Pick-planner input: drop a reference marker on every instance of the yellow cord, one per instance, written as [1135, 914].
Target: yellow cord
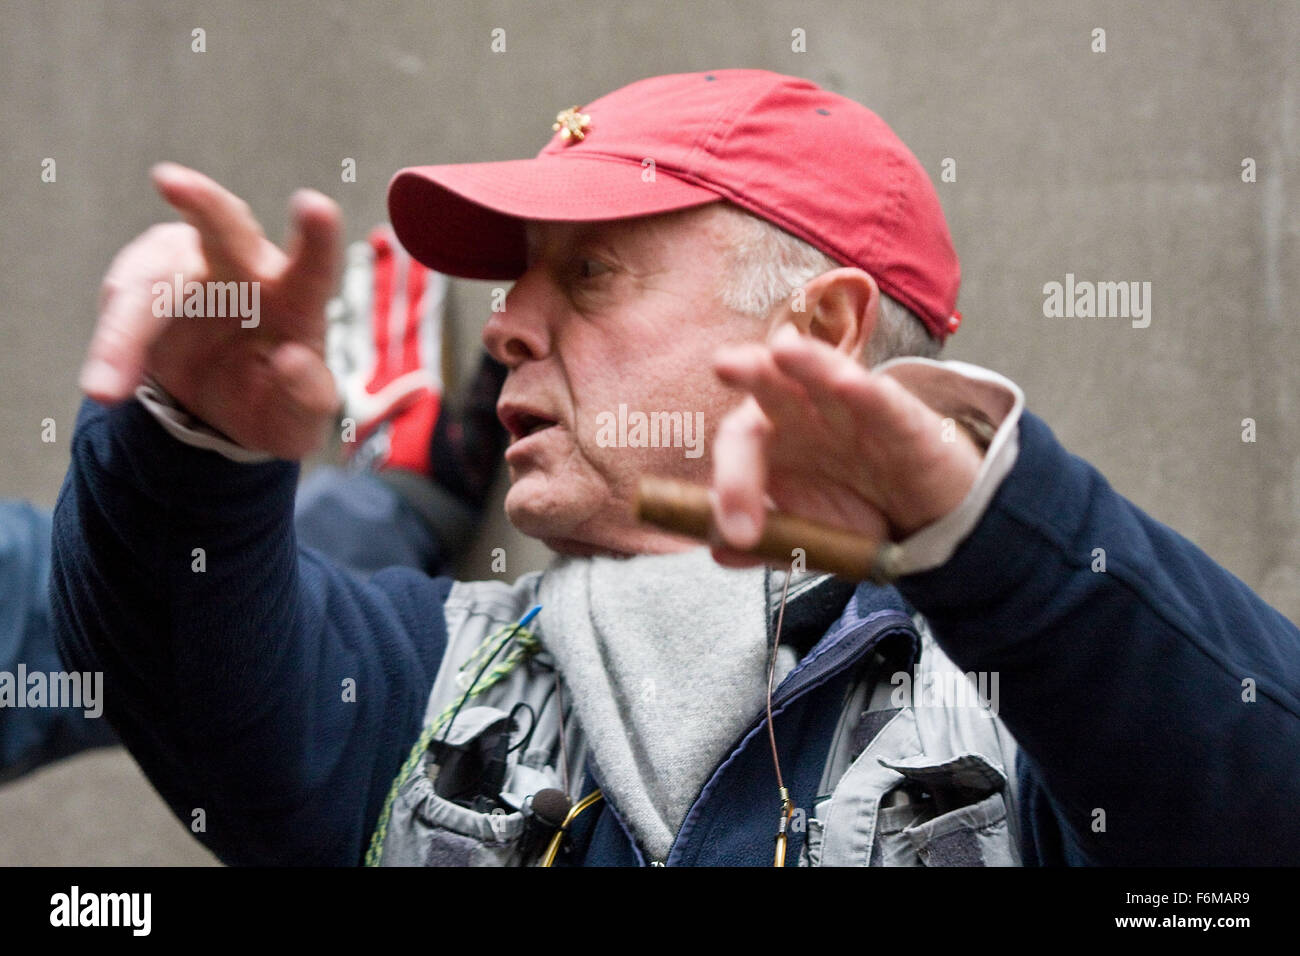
[553, 848]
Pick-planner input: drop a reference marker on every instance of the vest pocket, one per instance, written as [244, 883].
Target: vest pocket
[429, 829]
[973, 835]
[892, 845]
[453, 835]
[959, 820]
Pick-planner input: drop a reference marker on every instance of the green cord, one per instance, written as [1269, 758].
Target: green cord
[527, 644]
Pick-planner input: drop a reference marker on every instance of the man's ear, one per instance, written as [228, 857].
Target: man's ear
[840, 307]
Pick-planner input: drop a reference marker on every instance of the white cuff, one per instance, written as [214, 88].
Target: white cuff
[959, 388]
[189, 430]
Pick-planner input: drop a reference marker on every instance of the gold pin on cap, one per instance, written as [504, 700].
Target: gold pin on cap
[571, 124]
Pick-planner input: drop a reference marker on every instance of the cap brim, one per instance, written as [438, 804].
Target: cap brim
[467, 219]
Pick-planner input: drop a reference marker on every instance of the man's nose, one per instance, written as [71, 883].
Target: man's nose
[521, 331]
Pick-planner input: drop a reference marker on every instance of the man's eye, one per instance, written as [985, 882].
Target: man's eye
[590, 268]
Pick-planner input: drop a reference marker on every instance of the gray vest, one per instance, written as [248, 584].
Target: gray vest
[920, 772]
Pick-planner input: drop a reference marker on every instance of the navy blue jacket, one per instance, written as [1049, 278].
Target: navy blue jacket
[1128, 690]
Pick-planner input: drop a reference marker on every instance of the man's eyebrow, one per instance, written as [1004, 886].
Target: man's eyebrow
[576, 235]
[590, 239]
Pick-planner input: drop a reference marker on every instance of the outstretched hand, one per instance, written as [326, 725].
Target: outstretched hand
[822, 437]
[264, 383]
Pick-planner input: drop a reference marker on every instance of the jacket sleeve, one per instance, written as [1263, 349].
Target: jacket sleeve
[1156, 702]
[269, 695]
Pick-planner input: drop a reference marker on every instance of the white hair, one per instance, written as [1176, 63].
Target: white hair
[767, 265]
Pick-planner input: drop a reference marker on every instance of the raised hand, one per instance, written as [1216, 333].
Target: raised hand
[263, 382]
[829, 440]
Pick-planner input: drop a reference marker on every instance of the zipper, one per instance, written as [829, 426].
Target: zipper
[813, 671]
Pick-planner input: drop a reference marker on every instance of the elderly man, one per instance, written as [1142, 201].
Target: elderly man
[739, 244]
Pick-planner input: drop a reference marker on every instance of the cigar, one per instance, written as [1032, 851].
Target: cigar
[684, 509]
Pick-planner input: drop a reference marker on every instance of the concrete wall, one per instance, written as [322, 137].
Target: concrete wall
[1122, 165]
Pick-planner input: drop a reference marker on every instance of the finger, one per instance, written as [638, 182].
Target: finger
[751, 368]
[314, 250]
[833, 379]
[231, 235]
[820, 371]
[740, 475]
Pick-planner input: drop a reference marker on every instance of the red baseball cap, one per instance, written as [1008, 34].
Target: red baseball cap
[813, 162]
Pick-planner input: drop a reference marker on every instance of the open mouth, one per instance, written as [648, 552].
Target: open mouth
[532, 425]
[522, 422]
